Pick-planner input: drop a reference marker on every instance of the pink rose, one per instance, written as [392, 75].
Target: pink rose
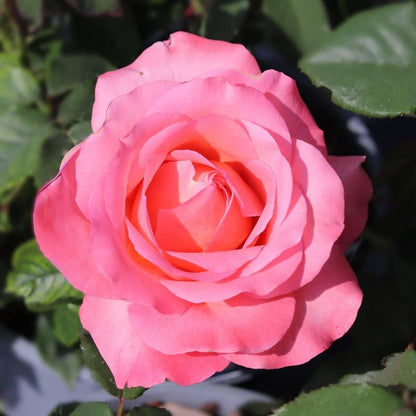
[203, 218]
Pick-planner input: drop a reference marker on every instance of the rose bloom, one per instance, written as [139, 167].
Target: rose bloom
[203, 218]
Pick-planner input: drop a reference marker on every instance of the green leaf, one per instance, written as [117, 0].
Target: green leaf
[257, 408]
[5, 224]
[68, 71]
[350, 400]
[34, 278]
[77, 105]
[80, 131]
[96, 7]
[4, 297]
[9, 60]
[118, 40]
[17, 85]
[53, 151]
[66, 324]
[358, 378]
[223, 19]
[148, 411]
[100, 371]
[22, 134]
[63, 409]
[67, 362]
[92, 409]
[300, 25]
[44, 49]
[31, 11]
[400, 369]
[369, 63]
[82, 409]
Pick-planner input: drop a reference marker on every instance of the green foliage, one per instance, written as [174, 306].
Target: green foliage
[66, 324]
[363, 394]
[92, 409]
[17, 85]
[96, 7]
[76, 106]
[116, 39]
[148, 411]
[31, 12]
[257, 409]
[100, 371]
[351, 400]
[35, 279]
[23, 132]
[299, 25]
[78, 132]
[400, 369]
[70, 71]
[52, 153]
[82, 409]
[67, 362]
[63, 409]
[368, 63]
[223, 18]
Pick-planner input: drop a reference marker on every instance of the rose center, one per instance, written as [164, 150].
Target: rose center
[191, 208]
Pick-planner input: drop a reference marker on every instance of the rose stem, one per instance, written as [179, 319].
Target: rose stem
[121, 404]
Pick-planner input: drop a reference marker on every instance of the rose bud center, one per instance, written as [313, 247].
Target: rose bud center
[192, 208]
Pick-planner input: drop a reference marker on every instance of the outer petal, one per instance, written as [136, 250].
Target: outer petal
[282, 92]
[60, 228]
[325, 309]
[123, 113]
[131, 361]
[324, 192]
[180, 58]
[240, 324]
[358, 192]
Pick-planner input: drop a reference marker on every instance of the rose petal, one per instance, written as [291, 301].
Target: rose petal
[239, 324]
[131, 361]
[135, 279]
[125, 110]
[324, 193]
[271, 155]
[247, 199]
[358, 192]
[220, 97]
[282, 92]
[261, 177]
[284, 237]
[262, 275]
[144, 250]
[60, 228]
[172, 185]
[325, 309]
[259, 285]
[181, 228]
[89, 167]
[219, 261]
[181, 58]
[222, 139]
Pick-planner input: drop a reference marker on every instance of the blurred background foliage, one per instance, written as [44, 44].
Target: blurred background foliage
[355, 64]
